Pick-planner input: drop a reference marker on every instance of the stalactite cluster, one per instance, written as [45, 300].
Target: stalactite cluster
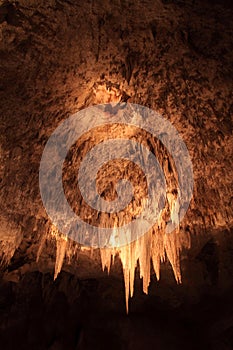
[156, 245]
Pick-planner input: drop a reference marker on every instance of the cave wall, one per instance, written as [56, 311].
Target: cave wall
[57, 57]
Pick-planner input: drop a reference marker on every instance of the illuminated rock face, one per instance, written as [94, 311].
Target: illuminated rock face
[59, 57]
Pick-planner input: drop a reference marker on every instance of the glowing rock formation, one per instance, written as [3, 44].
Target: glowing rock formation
[154, 246]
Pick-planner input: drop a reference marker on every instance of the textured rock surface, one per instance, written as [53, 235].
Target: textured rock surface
[57, 57]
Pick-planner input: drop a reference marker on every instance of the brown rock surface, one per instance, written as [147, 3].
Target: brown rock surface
[57, 57]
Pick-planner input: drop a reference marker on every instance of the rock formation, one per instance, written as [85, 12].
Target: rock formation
[59, 57]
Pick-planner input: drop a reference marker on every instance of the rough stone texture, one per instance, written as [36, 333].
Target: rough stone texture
[57, 57]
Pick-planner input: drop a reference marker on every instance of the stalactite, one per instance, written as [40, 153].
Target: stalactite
[63, 247]
[10, 238]
[106, 258]
[61, 242]
[153, 247]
